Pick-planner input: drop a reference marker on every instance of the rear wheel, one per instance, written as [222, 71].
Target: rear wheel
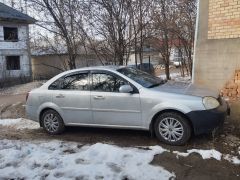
[172, 128]
[52, 122]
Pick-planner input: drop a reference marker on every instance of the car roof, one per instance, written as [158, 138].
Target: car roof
[96, 68]
[109, 68]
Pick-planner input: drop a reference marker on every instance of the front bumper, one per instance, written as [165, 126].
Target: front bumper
[206, 121]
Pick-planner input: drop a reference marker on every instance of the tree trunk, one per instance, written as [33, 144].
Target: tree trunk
[167, 70]
[71, 62]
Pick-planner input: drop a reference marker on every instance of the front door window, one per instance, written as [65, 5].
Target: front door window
[102, 82]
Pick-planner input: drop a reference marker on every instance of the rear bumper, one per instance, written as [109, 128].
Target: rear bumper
[208, 120]
[31, 113]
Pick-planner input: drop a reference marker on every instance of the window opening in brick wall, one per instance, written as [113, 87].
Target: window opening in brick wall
[13, 62]
[10, 33]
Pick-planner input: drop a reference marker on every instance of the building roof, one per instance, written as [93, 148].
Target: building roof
[9, 14]
[59, 49]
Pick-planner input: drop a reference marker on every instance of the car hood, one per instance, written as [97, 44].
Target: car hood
[186, 89]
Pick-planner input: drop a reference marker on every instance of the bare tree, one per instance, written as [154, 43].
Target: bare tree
[109, 21]
[113, 29]
[185, 31]
[141, 20]
[60, 18]
[164, 17]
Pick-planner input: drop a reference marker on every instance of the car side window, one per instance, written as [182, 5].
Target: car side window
[103, 82]
[72, 82]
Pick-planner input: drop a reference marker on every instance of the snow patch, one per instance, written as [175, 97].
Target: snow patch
[206, 154]
[65, 160]
[232, 159]
[172, 75]
[177, 77]
[19, 123]
[9, 122]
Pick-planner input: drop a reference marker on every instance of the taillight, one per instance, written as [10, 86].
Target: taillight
[27, 96]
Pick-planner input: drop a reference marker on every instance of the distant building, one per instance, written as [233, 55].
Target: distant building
[48, 62]
[149, 55]
[151, 52]
[45, 66]
[14, 43]
[217, 52]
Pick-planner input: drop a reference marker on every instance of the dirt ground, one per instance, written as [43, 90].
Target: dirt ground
[191, 167]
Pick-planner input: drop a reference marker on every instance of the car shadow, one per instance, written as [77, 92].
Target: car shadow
[125, 138]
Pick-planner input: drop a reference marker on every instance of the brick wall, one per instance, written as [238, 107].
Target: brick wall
[217, 58]
[19, 48]
[224, 19]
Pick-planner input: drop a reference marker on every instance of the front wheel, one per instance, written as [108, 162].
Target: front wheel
[52, 122]
[172, 128]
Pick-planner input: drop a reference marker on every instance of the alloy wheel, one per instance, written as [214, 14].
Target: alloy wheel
[51, 122]
[171, 129]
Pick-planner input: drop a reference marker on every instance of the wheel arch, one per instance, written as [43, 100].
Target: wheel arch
[154, 118]
[44, 110]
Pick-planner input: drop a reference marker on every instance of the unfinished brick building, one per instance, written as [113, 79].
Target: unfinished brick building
[14, 45]
[217, 53]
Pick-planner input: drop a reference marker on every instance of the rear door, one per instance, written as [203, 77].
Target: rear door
[109, 106]
[71, 93]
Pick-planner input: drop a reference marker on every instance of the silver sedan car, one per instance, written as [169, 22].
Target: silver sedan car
[123, 97]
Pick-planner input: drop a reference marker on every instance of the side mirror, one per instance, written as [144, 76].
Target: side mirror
[125, 89]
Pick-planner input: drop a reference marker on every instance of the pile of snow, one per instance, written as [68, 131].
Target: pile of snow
[65, 160]
[208, 154]
[21, 88]
[19, 123]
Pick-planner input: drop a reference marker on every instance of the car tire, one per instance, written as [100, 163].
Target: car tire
[52, 122]
[172, 128]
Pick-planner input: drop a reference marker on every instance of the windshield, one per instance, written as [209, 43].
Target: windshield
[141, 77]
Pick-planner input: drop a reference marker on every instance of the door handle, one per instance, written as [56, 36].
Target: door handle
[99, 97]
[60, 96]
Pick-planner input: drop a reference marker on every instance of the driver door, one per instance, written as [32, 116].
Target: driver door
[109, 106]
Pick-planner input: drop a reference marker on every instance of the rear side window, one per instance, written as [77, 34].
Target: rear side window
[73, 82]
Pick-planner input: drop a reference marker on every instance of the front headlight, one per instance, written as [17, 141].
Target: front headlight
[210, 102]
